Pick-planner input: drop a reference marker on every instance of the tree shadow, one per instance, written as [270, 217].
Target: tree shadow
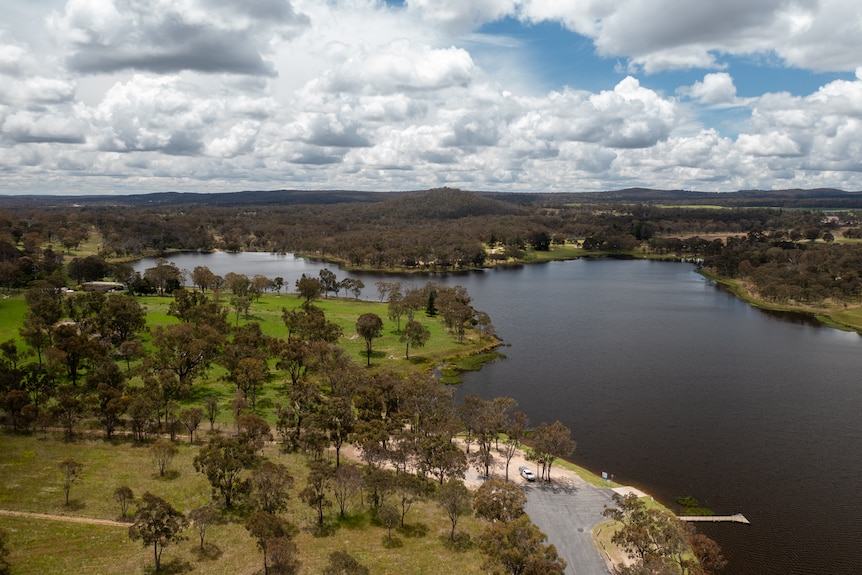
[210, 552]
[264, 404]
[354, 521]
[236, 513]
[75, 505]
[170, 475]
[392, 542]
[414, 530]
[378, 355]
[173, 566]
[120, 440]
[325, 530]
[461, 544]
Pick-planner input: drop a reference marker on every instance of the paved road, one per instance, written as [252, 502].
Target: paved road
[566, 511]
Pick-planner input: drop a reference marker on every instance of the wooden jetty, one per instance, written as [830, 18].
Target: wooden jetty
[737, 518]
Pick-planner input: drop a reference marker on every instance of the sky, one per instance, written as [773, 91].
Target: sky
[138, 96]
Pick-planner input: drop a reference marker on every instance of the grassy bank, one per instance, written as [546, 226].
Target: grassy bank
[839, 317]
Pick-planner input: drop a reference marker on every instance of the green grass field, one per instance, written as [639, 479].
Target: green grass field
[387, 351]
[29, 481]
[12, 310]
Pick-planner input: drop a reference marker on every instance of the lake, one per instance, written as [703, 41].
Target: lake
[672, 385]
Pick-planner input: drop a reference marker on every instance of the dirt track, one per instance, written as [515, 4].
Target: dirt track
[67, 518]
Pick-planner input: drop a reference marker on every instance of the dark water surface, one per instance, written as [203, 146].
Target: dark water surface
[674, 386]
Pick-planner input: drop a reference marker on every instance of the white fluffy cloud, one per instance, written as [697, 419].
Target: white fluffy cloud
[166, 36]
[400, 67]
[714, 89]
[134, 95]
[665, 34]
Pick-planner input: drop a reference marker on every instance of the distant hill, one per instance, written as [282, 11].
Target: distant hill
[824, 198]
[449, 203]
[225, 199]
[446, 203]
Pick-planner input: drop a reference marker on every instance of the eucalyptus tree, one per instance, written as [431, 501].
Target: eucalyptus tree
[315, 492]
[552, 442]
[165, 276]
[415, 334]
[308, 288]
[369, 326]
[328, 282]
[157, 523]
[456, 501]
[270, 485]
[271, 532]
[353, 285]
[518, 547]
[185, 349]
[203, 278]
[224, 461]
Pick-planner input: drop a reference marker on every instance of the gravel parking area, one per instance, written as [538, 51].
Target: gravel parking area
[566, 510]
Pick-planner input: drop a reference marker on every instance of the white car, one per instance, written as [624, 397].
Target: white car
[527, 474]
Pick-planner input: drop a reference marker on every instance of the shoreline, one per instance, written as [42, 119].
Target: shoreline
[824, 316]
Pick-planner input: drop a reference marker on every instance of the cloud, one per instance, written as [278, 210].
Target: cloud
[714, 89]
[33, 128]
[657, 35]
[771, 144]
[166, 115]
[11, 57]
[329, 131]
[460, 16]
[137, 95]
[208, 36]
[629, 116]
[398, 67]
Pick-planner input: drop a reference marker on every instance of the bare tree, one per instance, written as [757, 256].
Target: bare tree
[71, 471]
[346, 483]
[203, 518]
[124, 496]
[191, 419]
[163, 452]
[270, 483]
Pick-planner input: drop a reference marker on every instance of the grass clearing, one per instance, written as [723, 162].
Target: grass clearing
[388, 351]
[30, 481]
[850, 318]
[12, 309]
